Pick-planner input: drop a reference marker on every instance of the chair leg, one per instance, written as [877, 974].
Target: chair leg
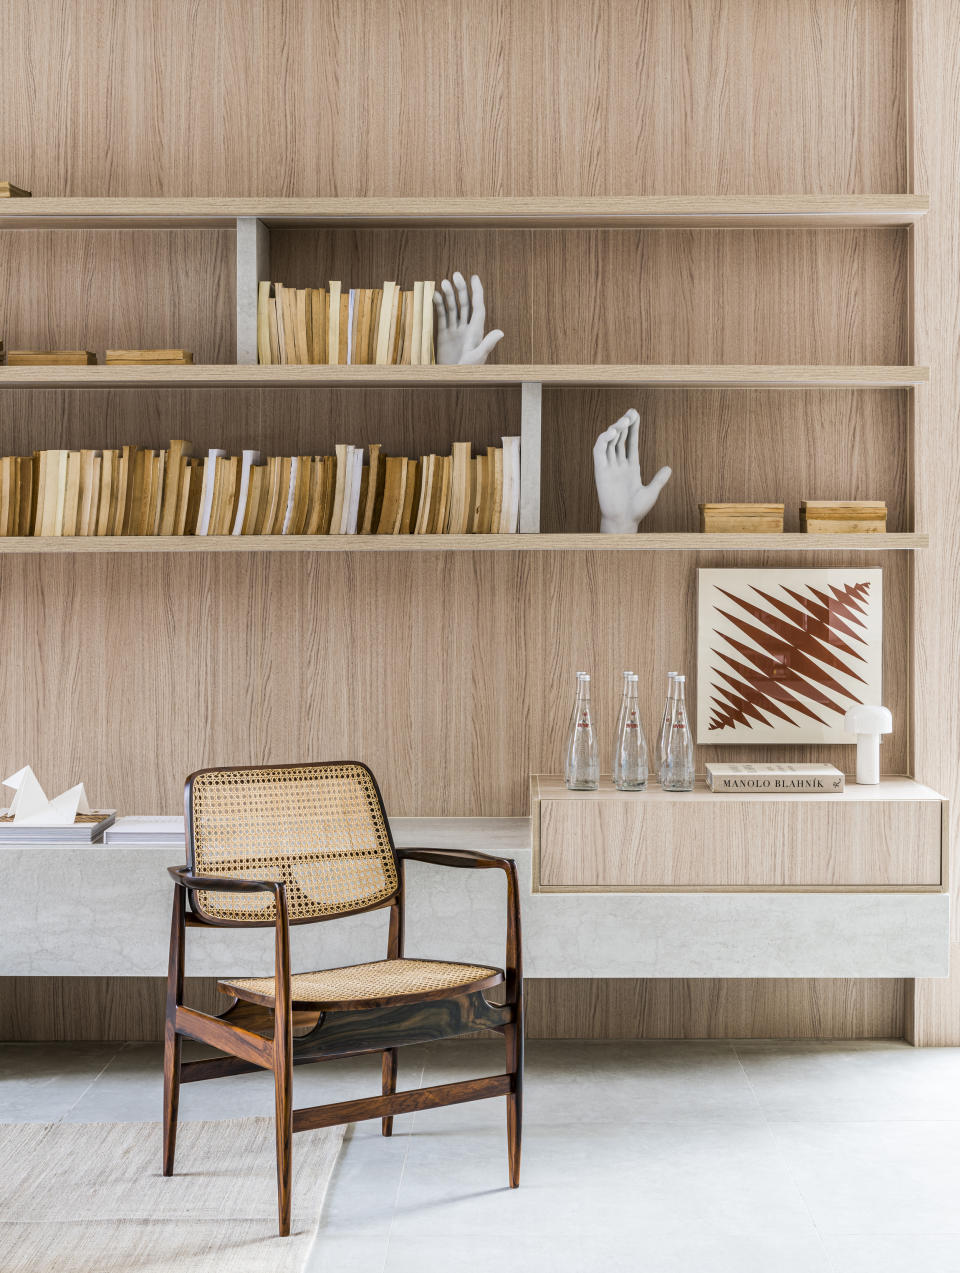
[513, 1037]
[171, 1094]
[389, 1086]
[283, 1092]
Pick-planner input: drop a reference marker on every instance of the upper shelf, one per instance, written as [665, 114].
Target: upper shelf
[686, 210]
[722, 376]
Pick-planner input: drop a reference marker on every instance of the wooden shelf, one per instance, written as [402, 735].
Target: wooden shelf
[688, 210]
[227, 375]
[461, 543]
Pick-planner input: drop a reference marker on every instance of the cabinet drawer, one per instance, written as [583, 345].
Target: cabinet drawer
[609, 840]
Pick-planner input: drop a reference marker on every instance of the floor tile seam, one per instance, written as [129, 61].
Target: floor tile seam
[96, 1079]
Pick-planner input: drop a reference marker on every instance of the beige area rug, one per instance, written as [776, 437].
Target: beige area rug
[89, 1198]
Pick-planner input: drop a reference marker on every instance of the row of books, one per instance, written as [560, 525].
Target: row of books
[86, 357]
[380, 325]
[137, 491]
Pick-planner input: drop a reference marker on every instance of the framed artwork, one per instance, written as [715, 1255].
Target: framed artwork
[783, 654]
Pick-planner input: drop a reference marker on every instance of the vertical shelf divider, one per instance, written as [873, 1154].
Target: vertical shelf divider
[531, 401]
[253, 264]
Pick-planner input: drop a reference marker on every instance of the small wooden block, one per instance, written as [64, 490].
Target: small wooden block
[720, 519]
[9, 191]
[52, 357]
[136, 357]
[843, 517]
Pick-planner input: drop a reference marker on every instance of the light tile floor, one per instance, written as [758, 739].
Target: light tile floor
[660, 1157]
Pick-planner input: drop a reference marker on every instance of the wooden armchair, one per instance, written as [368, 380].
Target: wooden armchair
[300, 844]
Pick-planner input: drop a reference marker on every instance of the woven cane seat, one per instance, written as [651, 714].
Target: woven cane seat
[376, 984]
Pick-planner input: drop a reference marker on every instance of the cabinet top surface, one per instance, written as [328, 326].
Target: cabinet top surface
[552, 787]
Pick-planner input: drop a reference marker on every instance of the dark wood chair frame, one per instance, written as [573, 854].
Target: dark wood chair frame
[257, 1038]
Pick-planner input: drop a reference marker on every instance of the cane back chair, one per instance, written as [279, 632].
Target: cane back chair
[300, 844]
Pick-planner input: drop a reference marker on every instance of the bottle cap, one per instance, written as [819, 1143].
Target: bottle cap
[678, 677]
[629, 673]
[631, 676]
[583, 676]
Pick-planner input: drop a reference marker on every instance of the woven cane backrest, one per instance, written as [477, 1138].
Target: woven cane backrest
[320, 829]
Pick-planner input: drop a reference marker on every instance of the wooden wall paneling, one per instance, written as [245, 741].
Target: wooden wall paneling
[935, 1016]
[725, 97]
[647, 295]
[451, 675]
[648, 603]
[797, 1008]
[131, 1008]
[119, 289]
[738, 445]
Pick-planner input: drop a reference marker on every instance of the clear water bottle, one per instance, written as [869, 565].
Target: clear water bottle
[664, 722]
[582, 768]
[624, 696]
[676, 769]
[630, 755]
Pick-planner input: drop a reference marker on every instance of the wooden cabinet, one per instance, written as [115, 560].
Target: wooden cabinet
[867, 838]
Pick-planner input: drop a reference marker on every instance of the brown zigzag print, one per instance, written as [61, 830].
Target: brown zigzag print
[789, 671]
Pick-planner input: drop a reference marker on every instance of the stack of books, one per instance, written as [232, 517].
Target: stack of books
[87, 828]
[144, 830]
[9, 191]
[380, 325]
[137, 491]
[149, 357]
[51, 357]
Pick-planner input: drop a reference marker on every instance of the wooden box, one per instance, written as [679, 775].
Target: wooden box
[736, 519]
[843, 517]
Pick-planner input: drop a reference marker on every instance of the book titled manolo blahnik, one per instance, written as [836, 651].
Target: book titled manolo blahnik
[774, 778]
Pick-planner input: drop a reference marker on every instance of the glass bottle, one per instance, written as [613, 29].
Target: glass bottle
[582, 768]
[630, 757]
[664, 726]
[676, 770]
[625, 694]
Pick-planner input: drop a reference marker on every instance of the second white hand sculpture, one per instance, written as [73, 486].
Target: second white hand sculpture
[624, 500]
[461, 316]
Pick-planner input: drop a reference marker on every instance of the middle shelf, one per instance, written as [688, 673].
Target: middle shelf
[666, 542]
[683, 375]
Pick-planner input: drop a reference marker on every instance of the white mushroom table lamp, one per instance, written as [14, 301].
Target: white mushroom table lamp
[868, 723]
[624, 500]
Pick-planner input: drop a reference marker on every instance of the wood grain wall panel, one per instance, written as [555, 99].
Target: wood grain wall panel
[119, 289]
[275, 421]
[731, 445]
[450, 675]
[935, 1018]
[357, 97]
[644, 296]
[131, 1008]
[798, 1008]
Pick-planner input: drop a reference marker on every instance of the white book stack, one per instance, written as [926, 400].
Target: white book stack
[147, 830]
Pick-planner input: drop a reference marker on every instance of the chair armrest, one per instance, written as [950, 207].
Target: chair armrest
[454, 857]
[223, 883]
[513, 963]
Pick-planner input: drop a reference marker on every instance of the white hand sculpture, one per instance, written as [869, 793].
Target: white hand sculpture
[460, 322]
[624, 500]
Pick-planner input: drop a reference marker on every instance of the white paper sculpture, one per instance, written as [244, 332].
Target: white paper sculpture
[461, 317]
[31, 808]
[624, 500]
